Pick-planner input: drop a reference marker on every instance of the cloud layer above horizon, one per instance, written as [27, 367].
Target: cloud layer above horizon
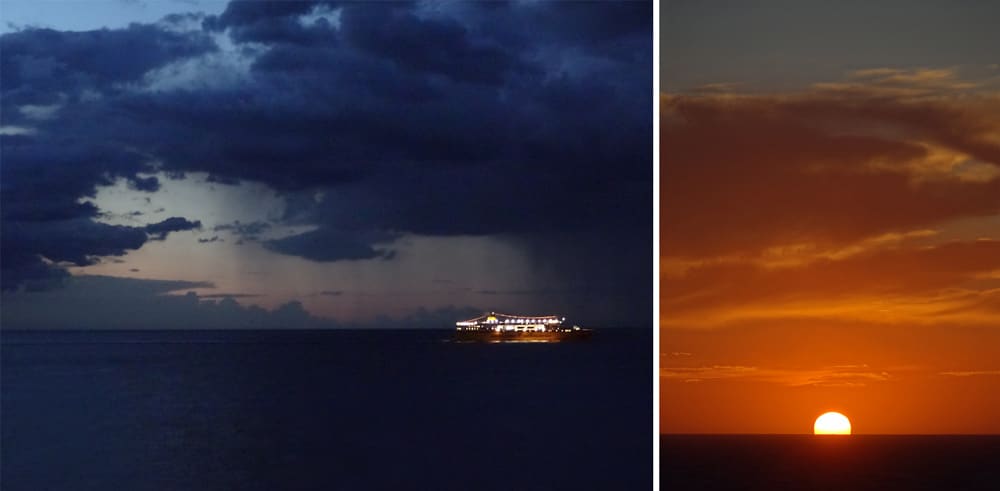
[835, 246]
[876, 198]
[370, 124]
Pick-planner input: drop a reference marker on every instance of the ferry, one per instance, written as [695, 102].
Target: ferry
[494, 327]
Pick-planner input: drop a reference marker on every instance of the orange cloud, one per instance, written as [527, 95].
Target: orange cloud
[941, 283]
[837, 376]
[825, 204]
[973, 373]
[741, 173]
[803, 232]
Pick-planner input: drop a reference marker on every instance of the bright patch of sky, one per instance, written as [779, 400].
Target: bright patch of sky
[492, 273]
[345, 290]
[86, 15]
[193, 197]
[11, 130]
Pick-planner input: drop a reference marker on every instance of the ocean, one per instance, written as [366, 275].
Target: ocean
[339, 410]
[807, 462]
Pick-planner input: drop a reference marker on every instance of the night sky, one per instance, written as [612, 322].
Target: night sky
[830, 216]
[318, 164]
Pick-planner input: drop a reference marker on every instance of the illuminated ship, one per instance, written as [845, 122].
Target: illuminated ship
[494, 327]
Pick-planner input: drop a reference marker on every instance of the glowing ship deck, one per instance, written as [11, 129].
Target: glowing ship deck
[494, 327]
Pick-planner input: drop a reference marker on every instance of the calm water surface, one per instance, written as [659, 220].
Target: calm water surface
[201, 410]
[857, 462]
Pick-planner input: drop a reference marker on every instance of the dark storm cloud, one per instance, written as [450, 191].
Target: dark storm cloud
[244, 230]
[243, 13]
[325, 244]
[528, 120]
[358, 113]
[271, 22]
[146, 184]
[89, 238]
[79, 241]
[434, 46]
[46, 172]
[42, 180]
[43, 177]
[159, 230]
[40, 65]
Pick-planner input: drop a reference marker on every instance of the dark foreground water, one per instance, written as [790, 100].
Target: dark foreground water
[340, 410]
[858, 462]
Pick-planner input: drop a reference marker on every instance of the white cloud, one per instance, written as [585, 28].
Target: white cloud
[16, 130]
[39, 112]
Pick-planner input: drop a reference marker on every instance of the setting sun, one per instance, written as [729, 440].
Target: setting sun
[832, 423]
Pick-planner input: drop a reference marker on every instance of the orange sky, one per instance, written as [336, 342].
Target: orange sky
[835, 247]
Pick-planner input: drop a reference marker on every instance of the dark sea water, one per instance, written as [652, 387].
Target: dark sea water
[857, 462]
[270, 410]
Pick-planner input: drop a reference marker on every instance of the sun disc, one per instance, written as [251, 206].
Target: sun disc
[832, 423]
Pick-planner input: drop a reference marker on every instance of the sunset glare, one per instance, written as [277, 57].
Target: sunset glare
[832, 423]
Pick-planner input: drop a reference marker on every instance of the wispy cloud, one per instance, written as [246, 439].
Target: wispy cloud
[230, 295]
[871, 199]
[835, 376]
[892, 286]
[972, 373]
